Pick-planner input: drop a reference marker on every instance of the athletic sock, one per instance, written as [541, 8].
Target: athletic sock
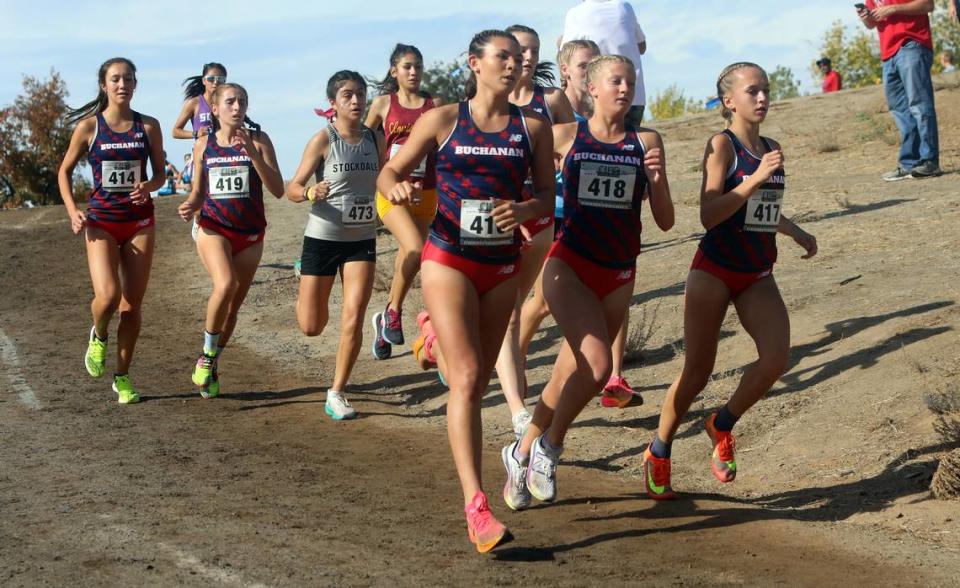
[548, 447]
[725, 420]
[210, 341]
[98, 337]
[660, 449]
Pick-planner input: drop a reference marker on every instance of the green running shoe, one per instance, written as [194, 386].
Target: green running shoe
[124, 389]
[213, 388]
[93, 360]
[203, 370]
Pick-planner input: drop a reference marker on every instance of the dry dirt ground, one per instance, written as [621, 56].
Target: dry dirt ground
[261, 488]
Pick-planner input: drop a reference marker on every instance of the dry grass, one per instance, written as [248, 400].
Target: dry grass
[945, 404]
[642, 328]
[946, 482]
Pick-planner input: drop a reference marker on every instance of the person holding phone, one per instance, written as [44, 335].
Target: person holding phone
[906, 48]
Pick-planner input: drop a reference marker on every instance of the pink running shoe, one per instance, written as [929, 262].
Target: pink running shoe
[618, 393]
[485, 531]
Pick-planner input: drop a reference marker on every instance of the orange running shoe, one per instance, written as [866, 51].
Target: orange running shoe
[618, 393]
[656, 476]
[485, 531]
[723, 461]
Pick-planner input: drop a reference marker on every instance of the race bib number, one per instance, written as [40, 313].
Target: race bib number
[119, 176]
[477, 226]
[763, 211]
[357, 211]
[421, 170]
[229, 182]
[606, 185]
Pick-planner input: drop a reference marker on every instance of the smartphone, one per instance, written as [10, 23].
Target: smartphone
[860, 6]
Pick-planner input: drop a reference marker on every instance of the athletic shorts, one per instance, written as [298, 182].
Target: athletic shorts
[122, 231]
[602, 280]
[736, 282]
[539, 224]
[238, 241]
[324, 258]
[426, 209]
[484, 276]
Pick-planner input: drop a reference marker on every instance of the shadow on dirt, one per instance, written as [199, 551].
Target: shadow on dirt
[909, 474]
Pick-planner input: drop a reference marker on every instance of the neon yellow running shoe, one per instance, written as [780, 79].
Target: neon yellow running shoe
[124, 389]
[213, 388]
[93, 360]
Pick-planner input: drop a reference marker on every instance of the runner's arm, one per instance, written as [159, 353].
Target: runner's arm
[311, 160]
[430, 130]
[559, 106]
[186, 115]
[79, 145]
[267, 166]
[655, 165]
[378, 112]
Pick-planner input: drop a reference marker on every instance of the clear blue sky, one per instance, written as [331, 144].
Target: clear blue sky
[283, 53]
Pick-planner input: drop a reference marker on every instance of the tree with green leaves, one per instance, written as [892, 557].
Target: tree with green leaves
[782, 84]
[34, 135]
[671, 103]
[445, 80]
[855, 55]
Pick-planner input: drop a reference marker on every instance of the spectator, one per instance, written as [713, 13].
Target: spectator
[906, 48]
[946, 61]
[831, 79]
[613, 26]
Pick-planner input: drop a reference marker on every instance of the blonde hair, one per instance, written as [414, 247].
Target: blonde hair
[566, 54]
[600, 62]
[725, 84]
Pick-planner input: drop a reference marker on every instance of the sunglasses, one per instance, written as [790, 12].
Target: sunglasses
[215, 79]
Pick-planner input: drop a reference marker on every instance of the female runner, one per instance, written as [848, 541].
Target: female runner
[589, 274]
[234, 164]
[533, 93]
[345, 158]
[400, 104]
[118, 223]
[485, 149]
[198, 96]
[740, 206]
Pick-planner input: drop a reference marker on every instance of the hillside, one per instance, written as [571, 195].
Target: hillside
[260, 487]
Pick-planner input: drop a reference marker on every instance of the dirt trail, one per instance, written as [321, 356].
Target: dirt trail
[260, 488]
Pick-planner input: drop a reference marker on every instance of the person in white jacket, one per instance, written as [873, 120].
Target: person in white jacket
[613, 26]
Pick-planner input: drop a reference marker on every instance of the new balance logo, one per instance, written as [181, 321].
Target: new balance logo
[253, 238]
[625, 275]
[516, 138]
[628, 147]
[138, 135]
[506, 269]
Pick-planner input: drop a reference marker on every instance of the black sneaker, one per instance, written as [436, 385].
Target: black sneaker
[927, 169]
[381, 347]
[897, 175]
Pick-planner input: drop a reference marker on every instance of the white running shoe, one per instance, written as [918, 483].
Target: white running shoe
[515, 492]
[337, 407]
[542, 472]
[521, 421]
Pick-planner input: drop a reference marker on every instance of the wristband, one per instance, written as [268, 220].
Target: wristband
[308, 194]
[194, 135]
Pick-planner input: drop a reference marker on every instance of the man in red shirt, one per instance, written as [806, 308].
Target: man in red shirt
[831, 79]
[906, 48]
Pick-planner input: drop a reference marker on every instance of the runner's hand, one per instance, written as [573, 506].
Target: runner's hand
[139, 196]
[320, 190]
[771, 162]
[188, 209]
[508, 214]
[653, 165]
[404, 192]
[243, 138]
[883, 12]
[805, 240]
[78, 220]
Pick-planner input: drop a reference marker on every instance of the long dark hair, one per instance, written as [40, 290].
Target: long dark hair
[252, 126]
[99, 104]
[477, 45]
[543, 73]
[389, 84]
[193, 86]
